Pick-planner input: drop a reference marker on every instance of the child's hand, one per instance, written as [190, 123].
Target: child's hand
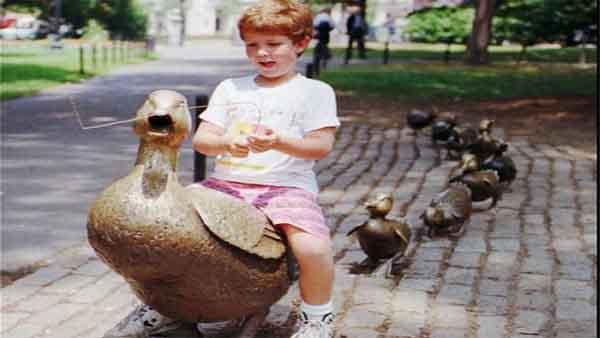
[237, 147]
[262, 139]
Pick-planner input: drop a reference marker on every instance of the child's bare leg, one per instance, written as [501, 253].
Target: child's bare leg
[315, 259]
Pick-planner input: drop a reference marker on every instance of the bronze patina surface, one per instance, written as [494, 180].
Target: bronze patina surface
[154, 232]
[380, 237]
[483, 184]
[449, 211]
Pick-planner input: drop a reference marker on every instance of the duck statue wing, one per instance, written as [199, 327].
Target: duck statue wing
[401, 228]
[236, 222]
[459, 201]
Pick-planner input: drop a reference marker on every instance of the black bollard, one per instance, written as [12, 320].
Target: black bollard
[317, 60]
[386, 54]
[199, 159]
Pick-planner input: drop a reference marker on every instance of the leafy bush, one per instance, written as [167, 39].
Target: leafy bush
[125, 19]
[446, 25]
[94, 32]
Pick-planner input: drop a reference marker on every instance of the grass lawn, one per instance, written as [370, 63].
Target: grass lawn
[417, 71]
[28, 68]
[424, 81]
[498, 54]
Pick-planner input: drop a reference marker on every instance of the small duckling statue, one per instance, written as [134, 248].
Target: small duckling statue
[418, 119]
[486, 126]
[380, 237]
[460, 140]
[503, 165]
[441, 128]
[449, 211]
[193, 254]
[484, 184]
[485, 145]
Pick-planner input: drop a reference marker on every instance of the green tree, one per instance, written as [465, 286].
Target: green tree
[440, 25]
[528, 22]
[77, 12]
[124, 19]
[563, 17]
[521, 21]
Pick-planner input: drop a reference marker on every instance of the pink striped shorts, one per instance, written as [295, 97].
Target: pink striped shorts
[282, 205]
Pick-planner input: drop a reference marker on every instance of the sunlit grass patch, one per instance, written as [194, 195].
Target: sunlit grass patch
[425, 81]
[26, 69]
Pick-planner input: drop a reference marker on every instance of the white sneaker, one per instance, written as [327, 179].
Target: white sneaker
[315, 328]
[141, 323]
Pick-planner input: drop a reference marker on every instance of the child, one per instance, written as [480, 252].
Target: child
[267, 130]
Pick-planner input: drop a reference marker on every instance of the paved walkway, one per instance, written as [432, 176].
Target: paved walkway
[52, 169]
[528, 269]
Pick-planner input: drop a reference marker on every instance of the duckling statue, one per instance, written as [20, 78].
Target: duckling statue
[192, 254]
[418, 119]
[501, 164]
[460, 140]
[380, 237]
[441, 128]
[484, 184]
[485, 145]
[486, 126]
[449, 211]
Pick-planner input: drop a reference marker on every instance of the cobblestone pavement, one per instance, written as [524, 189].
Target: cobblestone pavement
[527, 269]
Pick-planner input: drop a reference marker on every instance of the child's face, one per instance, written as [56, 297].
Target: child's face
[274, 56]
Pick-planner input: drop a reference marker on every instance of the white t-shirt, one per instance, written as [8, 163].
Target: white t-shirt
[291, 109]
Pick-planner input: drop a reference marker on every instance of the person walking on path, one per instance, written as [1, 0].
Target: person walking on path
[323, 25]
[390, 27]
[356, 28]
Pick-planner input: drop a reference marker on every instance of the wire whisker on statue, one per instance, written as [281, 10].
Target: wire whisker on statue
[114, 123]
[108, 124]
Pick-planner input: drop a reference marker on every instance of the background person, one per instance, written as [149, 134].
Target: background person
[356, 28]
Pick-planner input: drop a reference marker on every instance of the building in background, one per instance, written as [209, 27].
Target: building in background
[202, 17]
[219, 17]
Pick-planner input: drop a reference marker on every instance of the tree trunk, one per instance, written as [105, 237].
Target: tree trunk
[477, 49]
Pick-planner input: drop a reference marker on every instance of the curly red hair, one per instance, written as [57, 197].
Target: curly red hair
[286, 17]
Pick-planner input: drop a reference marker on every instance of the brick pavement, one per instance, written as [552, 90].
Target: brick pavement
[527, 269]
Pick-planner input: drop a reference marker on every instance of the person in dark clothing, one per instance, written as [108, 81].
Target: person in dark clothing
[356, 27]
[323, 25]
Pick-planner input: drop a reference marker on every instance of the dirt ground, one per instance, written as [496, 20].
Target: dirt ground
[560, 121]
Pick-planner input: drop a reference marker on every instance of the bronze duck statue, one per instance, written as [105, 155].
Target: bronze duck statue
[418, 119]
[380, 237]
[442, 127]
[484, 184]
[501, 164]
[459, 141]
[449, 211]
[193, 254]
[485, 145]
